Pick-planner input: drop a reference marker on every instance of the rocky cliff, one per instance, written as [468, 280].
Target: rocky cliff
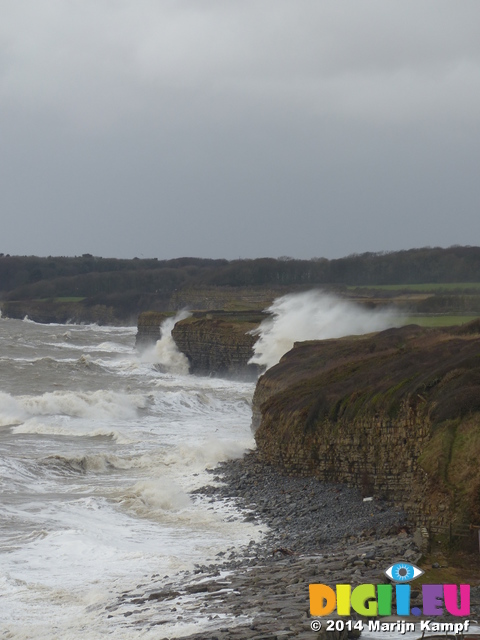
[395, 413]
[218, 344]
[215, 342]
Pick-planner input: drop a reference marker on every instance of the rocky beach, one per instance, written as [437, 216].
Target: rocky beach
[313, 532]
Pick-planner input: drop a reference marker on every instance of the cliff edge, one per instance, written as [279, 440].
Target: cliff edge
[215, 342]
[396, 413]
[218, 343]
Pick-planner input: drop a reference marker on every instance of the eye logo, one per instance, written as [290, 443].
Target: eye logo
[403, 572]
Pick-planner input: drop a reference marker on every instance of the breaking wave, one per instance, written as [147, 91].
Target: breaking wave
[149, 496]
[89, 463]
[165, 353]
[35, 427]
[88, 404]
[313, 315]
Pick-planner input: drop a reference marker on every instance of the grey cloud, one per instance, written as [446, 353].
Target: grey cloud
[239, 128]
[102, 60]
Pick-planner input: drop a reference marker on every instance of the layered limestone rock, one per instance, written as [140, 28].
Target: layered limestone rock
[215, 342]
[395, 413]
[218, 344]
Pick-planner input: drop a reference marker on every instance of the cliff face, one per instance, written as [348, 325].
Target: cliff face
[395, 413]
[218, 344]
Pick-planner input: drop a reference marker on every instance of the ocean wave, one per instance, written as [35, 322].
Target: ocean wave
[103, 347]
[15, 470]
[33, 426]
[165, 354]
[11, 411]
[100, 404]
[193, 402]
[132, 329]
[152, 497]
[208, 453]
[90, 463]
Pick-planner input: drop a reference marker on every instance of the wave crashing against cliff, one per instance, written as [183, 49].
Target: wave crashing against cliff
[165, 353]
[313, 315]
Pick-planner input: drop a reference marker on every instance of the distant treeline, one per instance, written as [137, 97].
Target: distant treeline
[135, 283]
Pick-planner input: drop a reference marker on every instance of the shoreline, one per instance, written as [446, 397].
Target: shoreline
[303, 514]
[316, 532]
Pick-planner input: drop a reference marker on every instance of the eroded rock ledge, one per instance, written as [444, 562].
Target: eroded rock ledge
[215, 342]
[395, 413]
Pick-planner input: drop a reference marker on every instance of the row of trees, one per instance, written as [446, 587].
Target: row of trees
[136, 281]
[18, 271]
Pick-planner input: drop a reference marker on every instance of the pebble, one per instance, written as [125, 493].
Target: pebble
[316, 532]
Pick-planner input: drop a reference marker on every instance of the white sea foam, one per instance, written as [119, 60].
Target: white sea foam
[313, 315]
[34, 426]
[155, 495]
[165, 352]
[112, 347]
[72, 413]
[103, 347]
[12, 471]
[189, 402]
[11, 410]
[87, 404]
[85, 519]
[208, 453]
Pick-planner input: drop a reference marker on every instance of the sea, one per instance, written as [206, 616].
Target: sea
[100, 447]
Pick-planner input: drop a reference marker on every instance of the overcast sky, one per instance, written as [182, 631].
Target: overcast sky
[238, 128]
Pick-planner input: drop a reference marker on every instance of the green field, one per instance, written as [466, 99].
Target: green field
[426, 287]
[434, 321]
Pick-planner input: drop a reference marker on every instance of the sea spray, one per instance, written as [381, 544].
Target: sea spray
[11, 411]
[155, 495]
[165, 353]
[313, 315]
